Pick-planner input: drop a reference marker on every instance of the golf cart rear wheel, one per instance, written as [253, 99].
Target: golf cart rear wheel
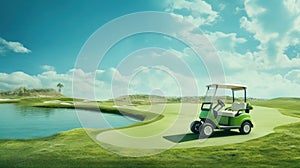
[245, 128]
[206, 130]
[195, 126]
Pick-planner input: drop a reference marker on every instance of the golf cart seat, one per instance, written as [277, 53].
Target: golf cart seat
[238, 106]
[234, 109]
[227, 113]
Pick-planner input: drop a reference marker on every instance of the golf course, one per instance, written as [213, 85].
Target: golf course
[266, 119]
[163, 139]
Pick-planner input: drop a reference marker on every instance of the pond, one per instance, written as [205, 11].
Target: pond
[18, 122]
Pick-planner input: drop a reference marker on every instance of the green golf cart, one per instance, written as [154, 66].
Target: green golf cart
[214, 115]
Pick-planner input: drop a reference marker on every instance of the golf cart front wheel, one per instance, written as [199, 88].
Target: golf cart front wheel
[245, 128]
[206, 130]
[195, 127]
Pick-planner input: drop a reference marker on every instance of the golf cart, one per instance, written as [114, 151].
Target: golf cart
[213, 115]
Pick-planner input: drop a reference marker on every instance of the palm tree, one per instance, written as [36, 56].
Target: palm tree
[59, 85]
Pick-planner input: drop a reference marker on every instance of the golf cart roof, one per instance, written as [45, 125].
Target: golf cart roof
[229, 86]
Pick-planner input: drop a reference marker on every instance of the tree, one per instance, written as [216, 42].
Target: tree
[59, 85]
[21, 91]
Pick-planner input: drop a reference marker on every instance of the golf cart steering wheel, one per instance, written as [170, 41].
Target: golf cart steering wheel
[221, 103]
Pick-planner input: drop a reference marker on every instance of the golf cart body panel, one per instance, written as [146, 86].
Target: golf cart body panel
[237, 121]
[212, 115]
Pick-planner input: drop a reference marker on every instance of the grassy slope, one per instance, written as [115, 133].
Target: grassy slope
[76, 149]
[104, 107]
[287, 106]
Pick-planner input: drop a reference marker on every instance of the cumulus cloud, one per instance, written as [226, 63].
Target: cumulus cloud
[270, 28]
[157, 69]
[197, 12]
[205, 43]
[146, 80]
[249, 69]
[49, 79]
[293, 75]
[16, 47]
[274, 35]
[292, 5]
[236, 62]
[225, 42]
[95, 85]
[48, 68]
[265, 85]
[253, 9]
[17, 79]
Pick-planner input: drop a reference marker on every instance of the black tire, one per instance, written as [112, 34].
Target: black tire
[195, 126]
[206, 130]
[245, 127]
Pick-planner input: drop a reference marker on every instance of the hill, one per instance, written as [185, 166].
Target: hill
[149, 99]
[34, 92]
[286, 105]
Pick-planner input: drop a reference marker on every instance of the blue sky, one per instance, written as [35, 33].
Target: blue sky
[256, 41]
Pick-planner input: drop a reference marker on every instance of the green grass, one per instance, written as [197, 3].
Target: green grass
[287, 106]
[9, 101]
[75, 149]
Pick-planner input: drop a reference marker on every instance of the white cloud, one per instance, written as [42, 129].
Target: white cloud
[292, 5]
[274, 26]
[84, 85]
[12, 46]
[17, 79]
[221, 6]
[48, 79]
[197, 12]
[265, 85]
[149, 79]
[238, 9]
[250, 68]
[155, 69]
[274, 35]
[236, 62]
[225, 42]
[48, 68]
[255, 27]
[293, 75]
[253, 9]
[51, 79]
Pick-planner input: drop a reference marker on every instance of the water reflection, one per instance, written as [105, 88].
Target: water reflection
[33, 111]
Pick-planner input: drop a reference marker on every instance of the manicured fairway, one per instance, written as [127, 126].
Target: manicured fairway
[172, 131]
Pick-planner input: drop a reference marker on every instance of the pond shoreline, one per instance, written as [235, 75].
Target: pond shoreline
[8, 100]
[93, 107]
[106, 107]
[28, 122]
[72, 103]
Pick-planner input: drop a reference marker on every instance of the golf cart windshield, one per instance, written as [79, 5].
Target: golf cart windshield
[210, 94]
